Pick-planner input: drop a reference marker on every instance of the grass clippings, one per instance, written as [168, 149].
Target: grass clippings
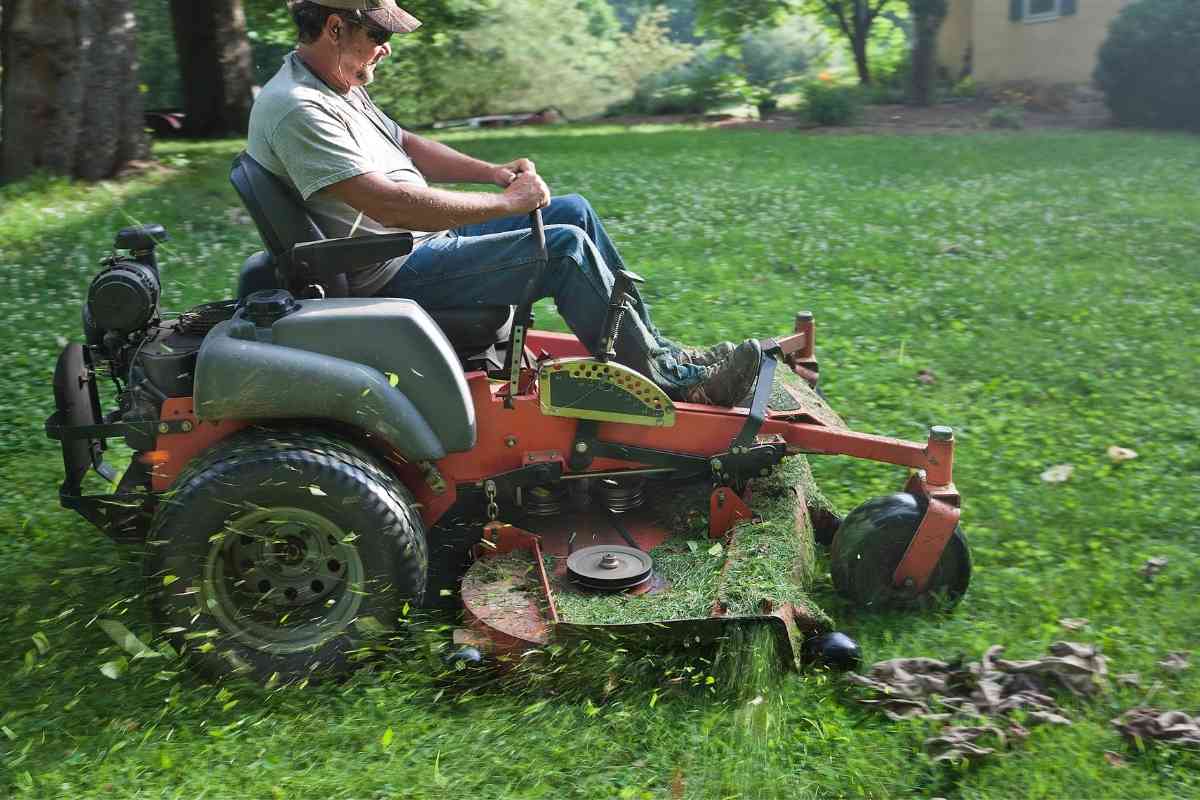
[769, 562]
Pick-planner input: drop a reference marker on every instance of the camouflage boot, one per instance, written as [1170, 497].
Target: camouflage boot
[728, 381]
[704, 357]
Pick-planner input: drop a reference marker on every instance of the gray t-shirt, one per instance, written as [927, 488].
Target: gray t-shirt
[313, 137]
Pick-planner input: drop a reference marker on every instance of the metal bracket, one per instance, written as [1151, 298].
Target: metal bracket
[531, 475]
[726, 510]
[925, 549]
[741, 464]
[55, 429]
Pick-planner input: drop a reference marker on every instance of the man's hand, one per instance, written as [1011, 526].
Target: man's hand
[505, 174]
[527, 192]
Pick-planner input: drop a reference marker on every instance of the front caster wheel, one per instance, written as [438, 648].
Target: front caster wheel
[282, 555]
[871, 541]
[834, 650]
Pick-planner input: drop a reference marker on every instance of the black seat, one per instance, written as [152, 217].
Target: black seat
[300, 258]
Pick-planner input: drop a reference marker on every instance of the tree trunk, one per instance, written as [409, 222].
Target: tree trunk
[70, 91]
[927, 20]
[859, 45]
[215, 66]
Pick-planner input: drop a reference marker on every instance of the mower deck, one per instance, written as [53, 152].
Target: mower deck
[760, 572]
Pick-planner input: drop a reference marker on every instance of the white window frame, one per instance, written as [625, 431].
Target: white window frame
[1047, 16]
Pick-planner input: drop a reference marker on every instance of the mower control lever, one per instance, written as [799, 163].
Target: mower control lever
[622, 287]
[523, 319]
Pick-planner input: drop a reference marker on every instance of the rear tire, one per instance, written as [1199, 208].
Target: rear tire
[868, 547]
[282, 555]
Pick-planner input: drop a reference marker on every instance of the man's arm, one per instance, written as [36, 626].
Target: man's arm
[442, 164]
[425, 208]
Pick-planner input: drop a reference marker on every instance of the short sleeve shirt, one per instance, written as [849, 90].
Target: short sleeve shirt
[313, 137]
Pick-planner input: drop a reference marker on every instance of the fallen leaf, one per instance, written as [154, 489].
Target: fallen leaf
[1119, 454]
[1129, 679]
[1152, 725]
[114, 669]
[316, 490]
[1153, 566]
[1114, 759]
[1073, 624]
[716, 549]
[1059, 473]
[1176, 661]
[926, 377]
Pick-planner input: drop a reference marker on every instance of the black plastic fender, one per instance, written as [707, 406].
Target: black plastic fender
[239, 378]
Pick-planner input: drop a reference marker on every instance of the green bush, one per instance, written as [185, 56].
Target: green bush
[966, 88]
[828, 104]
[706, 82]
[881, 94]
[1149, 66]
[1009, 117]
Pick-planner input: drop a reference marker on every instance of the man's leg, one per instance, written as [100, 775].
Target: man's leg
[494, 269]
[574, 209]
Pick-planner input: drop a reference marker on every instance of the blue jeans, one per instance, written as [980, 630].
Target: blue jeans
[491, 264]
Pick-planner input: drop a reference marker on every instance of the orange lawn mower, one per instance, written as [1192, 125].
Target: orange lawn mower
[308, 466]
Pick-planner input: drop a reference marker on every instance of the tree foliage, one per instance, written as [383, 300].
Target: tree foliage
[854, 20]
[581, 65]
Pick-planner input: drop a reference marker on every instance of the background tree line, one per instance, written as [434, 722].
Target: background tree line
[79, 74]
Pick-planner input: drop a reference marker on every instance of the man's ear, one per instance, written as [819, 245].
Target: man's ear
[334, 26]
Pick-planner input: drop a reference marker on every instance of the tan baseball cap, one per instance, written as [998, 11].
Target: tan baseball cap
[384, 13]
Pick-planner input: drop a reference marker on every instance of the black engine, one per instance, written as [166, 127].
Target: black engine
[149, 358]
[146, 358]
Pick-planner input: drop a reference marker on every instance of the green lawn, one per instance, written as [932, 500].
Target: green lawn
[1051, 283]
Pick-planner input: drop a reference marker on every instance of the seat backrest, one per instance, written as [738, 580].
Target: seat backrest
[276, 209]
[281, 218]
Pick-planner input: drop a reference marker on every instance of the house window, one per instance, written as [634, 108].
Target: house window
[1038, 10]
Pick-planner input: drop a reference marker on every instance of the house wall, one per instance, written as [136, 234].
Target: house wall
[955, 37]
[1060, 50]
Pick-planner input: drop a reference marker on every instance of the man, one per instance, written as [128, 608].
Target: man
[358, 172]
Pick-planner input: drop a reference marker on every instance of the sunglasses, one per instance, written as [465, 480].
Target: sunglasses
[379, 36]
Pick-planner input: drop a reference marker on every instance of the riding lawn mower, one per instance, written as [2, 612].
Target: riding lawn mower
[307, 467]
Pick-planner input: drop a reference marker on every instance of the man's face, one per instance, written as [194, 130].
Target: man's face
[360, 50]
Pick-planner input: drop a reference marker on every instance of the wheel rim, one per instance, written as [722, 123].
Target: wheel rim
[283, 580]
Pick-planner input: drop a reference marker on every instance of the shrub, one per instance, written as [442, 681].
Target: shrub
[1149, 66]
[965, 88]
[828, 104]
[881, 94]
[1010, 117]
[706, 82]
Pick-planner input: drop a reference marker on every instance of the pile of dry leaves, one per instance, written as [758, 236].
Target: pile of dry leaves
[980, 693]
[975, 698]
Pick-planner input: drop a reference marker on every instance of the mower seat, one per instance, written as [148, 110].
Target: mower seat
[283, 222]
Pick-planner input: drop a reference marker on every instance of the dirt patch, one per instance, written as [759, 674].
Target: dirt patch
[1083, 110]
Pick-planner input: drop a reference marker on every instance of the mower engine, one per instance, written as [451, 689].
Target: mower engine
[148, 360]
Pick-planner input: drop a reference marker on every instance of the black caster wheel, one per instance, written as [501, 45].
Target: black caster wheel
[834, 650]
[868, 547]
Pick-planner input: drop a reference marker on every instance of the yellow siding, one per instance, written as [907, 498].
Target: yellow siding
[1061, 50]
[955, 37]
